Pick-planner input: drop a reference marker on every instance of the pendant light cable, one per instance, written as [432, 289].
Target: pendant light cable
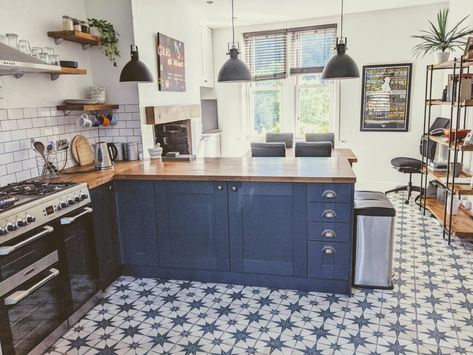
[233, 25]
[341, 22]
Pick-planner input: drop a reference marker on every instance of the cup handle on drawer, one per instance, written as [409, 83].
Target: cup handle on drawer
[330, 194]
[328, 233]
[329, 214]
[328, 250]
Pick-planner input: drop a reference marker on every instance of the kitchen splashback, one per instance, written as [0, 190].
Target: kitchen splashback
[20, 125]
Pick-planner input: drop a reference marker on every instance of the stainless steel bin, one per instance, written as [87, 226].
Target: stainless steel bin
[374, 229]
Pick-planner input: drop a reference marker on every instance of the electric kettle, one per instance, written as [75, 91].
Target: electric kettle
[105, 155]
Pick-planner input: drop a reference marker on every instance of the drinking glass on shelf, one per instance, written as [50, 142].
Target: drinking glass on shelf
[48, 50]
[24, 46]
[12, 40]
[36, 51]
[54, 59]
[44, 57]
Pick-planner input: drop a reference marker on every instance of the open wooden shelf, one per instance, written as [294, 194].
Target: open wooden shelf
[436, 102]
[85, 39]
[461, 189]
[462, 223]
[98, 107]
[445, 142]
[450, 64]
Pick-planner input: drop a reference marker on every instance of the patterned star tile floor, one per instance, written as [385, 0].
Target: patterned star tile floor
[429, 311]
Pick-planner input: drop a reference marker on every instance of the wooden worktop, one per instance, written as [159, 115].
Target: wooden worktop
[320, 170]
[245, 169]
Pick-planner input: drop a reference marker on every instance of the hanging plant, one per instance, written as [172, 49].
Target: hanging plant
[108, 40]
[438, 39]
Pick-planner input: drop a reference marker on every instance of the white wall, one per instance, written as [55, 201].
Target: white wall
[381, 37]
[102, 70]
[175, 20]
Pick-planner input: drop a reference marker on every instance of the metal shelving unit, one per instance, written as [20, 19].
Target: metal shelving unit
[460, 225]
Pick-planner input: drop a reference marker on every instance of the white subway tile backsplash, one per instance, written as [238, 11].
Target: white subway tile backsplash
[18, 161]
[30, 112]
[15, 113]
[9, 125]
[11, 146]
[5, 136]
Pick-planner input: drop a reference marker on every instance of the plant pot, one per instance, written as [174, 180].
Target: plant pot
[440, 57]
[95, 32]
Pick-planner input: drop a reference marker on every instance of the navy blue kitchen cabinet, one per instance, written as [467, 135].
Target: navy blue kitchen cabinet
[192, 223]
[268, 233]
[136, 217]
[107, 242]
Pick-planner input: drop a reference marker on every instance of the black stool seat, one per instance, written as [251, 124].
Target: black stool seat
[407, 165]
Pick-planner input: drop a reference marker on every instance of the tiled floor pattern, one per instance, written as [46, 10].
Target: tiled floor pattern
[428, 312]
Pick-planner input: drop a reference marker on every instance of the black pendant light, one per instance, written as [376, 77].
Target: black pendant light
[341, 65]
[135, 70]
[234, 69]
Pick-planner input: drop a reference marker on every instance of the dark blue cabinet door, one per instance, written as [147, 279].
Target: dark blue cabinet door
[268, 228]
[137, 222]
[192, 225]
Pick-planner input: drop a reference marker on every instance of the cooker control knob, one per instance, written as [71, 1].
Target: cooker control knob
[2, 232]
[77, 199]
[70, 202]
[30, 219]
[62, 205]
[20, 223]
[10, 227]
[83, 197]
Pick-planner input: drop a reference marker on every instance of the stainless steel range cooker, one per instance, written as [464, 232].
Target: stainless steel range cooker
[48, 272]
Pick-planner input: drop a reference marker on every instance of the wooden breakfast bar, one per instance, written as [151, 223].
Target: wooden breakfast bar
[274, 222]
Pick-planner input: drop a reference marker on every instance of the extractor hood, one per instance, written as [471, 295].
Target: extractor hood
[15, 62]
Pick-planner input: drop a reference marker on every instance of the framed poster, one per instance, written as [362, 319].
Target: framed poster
[171, 64]
[385, 97]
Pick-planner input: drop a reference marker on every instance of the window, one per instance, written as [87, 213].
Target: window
[286, 94]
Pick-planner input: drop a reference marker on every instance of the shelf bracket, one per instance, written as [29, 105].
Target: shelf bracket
[20, 75]
[54, 76]
[58, 40]
[85, 46]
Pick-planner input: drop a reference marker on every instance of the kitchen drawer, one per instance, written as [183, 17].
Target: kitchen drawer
[331, 193]
[329, 260]
[329, 232]
[329, 212]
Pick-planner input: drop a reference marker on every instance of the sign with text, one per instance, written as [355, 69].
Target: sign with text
[171, 64]
[385, 97]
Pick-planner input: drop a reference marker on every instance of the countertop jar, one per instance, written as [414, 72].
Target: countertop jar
[76, 24]
[67, 24]
[85, 26]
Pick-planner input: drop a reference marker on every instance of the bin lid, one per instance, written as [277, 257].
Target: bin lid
[369, 195]
[381, 208]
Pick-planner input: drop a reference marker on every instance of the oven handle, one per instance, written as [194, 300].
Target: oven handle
[69, 220]
[17, 296]
[11, 248]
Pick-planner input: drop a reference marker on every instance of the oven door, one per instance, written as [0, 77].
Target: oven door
[32, 306]
[79, 255]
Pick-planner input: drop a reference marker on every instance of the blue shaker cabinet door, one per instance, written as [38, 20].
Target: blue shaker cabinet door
[268, 228]
[137, 222]
[192, 225]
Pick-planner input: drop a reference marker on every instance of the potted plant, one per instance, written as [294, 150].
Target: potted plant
[437, 39]
[108, 38]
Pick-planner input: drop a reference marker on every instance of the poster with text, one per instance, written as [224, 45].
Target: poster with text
[171, 64]
[385, 97]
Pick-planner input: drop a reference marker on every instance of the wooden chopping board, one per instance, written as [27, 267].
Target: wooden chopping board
[82, 150]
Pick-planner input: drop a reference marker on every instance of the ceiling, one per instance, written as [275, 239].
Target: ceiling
[251, 12]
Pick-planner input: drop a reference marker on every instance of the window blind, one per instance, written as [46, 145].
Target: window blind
[266, 54]
[311, 48]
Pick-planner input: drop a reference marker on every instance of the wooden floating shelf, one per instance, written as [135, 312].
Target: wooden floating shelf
[87, 107]
[462, 223]
[445, 142]
[461, 189]
[464, 103]
[85, 39]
